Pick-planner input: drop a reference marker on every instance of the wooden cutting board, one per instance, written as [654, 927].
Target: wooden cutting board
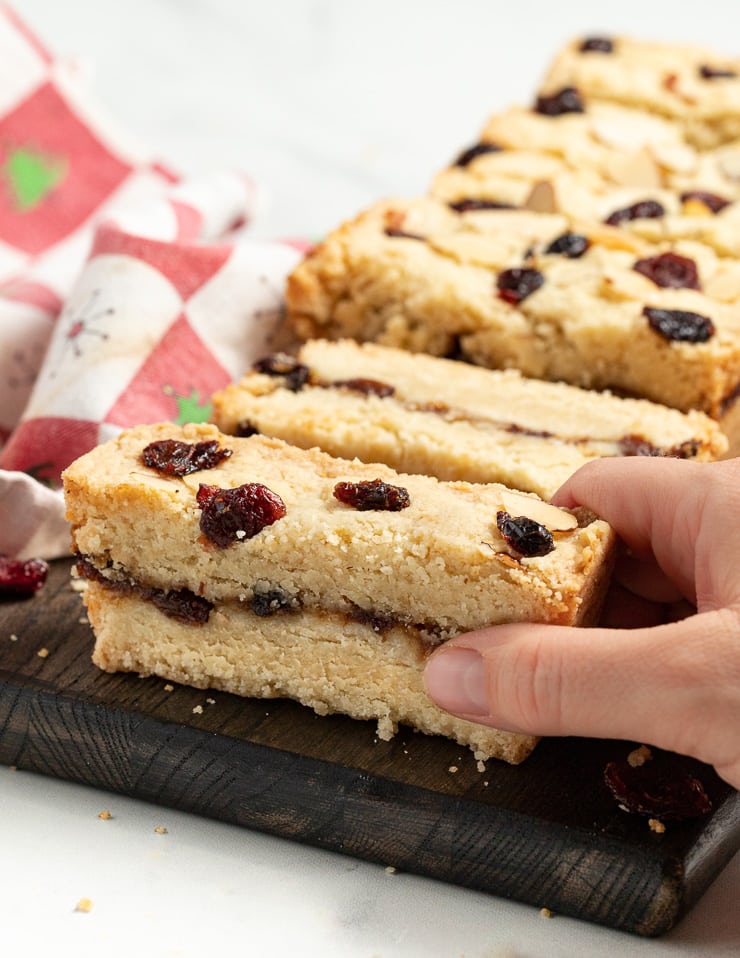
[547, 832]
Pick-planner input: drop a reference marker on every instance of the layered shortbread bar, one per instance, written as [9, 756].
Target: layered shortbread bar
[588, 305]
[255, 567]
[696, 87]
[448, 419]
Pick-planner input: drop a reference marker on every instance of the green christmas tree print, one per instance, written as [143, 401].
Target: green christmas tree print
[31, 176]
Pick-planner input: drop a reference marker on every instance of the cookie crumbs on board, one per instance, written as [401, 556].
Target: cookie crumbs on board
[656, 825]
[210, 701]
[105, 815]
[390, 869]
[13, 637]
[480, 765]
[160, 830]
[84, 905]
[639, 756]
[452, 769]
[197, 710]
[169, 688]
[545, 913]
[43, 653]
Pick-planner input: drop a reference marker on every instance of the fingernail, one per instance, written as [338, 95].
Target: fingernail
[455, 679]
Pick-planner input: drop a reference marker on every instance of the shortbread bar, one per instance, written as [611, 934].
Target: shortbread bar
[252, 566]
[696, 87]
[507, 288]
[449, 419]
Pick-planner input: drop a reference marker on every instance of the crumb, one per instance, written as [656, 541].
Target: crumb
[169, 688]
[13, 637]
[545, 913]
[485, 784]
[43, 653]
[160, 830]
[198, 710]
[452, 769]
[656, 825]
[639, 756]
[83, 620]
[105, 815]
[240, 533]
[84, 904]
[390, 869]
[211, 701]
[481, 766]
[78, 585]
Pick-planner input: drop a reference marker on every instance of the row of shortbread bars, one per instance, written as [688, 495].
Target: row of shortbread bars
[245, 559]
[593, 238]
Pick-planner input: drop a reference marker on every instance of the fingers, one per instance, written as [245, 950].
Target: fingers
[675, 511]
[676, 686]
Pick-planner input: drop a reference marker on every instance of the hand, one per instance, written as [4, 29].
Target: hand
[664, 667]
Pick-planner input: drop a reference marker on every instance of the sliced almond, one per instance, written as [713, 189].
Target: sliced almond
[542, 198]
[730, 165]
[478, 248]
[611, 237]
[158, 482]
[635, 169]
[724, 285]
[695, 207]
[549, 516]
[676, 157]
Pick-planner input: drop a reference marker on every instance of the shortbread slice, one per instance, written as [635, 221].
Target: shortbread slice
[448, 419]
[264, 539]
[697, 87]
[513, 289]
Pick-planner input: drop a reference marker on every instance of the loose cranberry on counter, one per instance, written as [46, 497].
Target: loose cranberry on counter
[229, 515]
[175, 458]
[644, 209]
[567, 100]
[572, 245]
[21, 577]
[372, 494]
[669, 270]
[524, 535]
[516, 284]
[712, 201]
[679, 325]
[479, 149]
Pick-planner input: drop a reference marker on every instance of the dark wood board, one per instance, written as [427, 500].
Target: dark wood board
[547, 832]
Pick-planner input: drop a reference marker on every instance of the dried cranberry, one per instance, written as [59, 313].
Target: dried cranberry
[516, 284]
[21, 577]
[182, 604]
[679, 325]
[270, 603]
[471, 204]
[295, 373]
[669, 270]
[572, 245]
[395, 233]
[479, 149]
[232, 514]
[567, 100]
[634, 445]
[710, 200]
[175, 458]
[707, 72]
[644, 209]
[524, 535]
[597, 45]
[245, 429]
[372, 494]
[369, 387]
[660, 790]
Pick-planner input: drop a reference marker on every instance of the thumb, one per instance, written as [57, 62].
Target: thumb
[668, 685]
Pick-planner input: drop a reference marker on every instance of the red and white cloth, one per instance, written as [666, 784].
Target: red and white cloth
[124, 295]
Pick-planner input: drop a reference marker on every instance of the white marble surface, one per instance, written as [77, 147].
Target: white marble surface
[330, 105]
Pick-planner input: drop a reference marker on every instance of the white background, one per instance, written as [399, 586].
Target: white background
[330, 105]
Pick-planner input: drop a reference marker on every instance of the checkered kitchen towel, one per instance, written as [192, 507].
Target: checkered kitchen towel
[116, 305]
